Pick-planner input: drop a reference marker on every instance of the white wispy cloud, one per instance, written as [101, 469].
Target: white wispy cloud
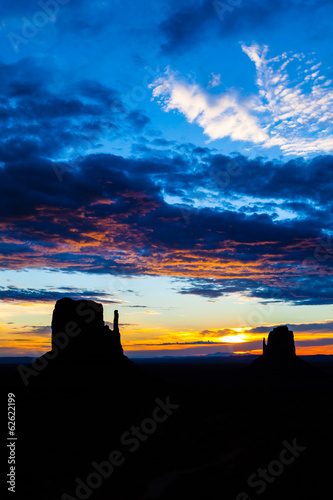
[219, 116]
[298, 118]
[292, 112]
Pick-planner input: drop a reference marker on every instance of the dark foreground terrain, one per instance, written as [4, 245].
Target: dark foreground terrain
[208, 428]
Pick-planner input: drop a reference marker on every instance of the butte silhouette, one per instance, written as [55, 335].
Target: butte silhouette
[79, 398]
[279, 356]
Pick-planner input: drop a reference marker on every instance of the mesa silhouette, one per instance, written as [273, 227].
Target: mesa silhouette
[82, 321]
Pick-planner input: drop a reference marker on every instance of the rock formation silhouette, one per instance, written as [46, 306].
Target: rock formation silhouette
[279, 355]
[78, 399]
[280, 344]
[84, 395]
[79, 331]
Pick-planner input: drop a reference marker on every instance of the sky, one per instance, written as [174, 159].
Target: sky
[172, 160]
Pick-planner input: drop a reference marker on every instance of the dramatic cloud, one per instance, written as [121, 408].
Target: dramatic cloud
[108, 215]
[226, 224]
[299, 187]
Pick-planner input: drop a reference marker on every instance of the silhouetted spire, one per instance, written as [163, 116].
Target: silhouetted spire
[115, 321]
[263, 346]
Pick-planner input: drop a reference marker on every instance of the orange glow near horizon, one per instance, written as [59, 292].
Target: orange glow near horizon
[232, 339]
[38, 347]
[25, 330]
[34, 344]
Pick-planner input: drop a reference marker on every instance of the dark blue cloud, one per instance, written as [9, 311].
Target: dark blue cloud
[325, 327]
[314, 342]
[37, 119]
[124, 197]
[184, 25]
[15, 294]
[105, 213]
[297, 290]
[195, 22]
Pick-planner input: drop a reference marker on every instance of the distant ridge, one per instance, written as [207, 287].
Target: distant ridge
[221, 354]
[12, 360]
[6, 360]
